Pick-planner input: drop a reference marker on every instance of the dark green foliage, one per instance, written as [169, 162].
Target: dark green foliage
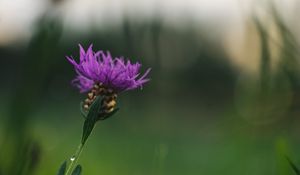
[62, 168]
[77, 170]
[21, 155]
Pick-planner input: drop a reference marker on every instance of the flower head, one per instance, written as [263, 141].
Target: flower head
[100, 68]
[100, 74]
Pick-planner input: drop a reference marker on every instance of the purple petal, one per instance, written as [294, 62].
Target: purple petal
[95, 67]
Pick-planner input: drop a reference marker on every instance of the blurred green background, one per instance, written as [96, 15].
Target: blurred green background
[223, 96]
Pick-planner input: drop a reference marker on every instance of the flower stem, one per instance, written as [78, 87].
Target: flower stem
[74, 158]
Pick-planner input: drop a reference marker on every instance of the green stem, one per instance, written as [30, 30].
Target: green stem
[74, 159]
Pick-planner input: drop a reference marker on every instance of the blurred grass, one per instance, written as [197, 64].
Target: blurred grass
[121, 147]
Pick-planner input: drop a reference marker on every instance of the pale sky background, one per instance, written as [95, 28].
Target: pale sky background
[18, 16]
[227, 18]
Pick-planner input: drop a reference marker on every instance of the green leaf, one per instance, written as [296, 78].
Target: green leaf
[103, 116]
[77, 170]
[62, 168]
[295, 168]
[91, 119]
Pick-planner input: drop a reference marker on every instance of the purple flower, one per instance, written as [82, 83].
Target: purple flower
[99, 68]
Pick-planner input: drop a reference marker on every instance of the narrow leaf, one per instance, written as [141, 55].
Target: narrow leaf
[295, 168]
[91, 119]
[62, 168]
[77, 170]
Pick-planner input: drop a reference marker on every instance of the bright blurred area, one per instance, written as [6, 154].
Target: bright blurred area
[224, 95]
